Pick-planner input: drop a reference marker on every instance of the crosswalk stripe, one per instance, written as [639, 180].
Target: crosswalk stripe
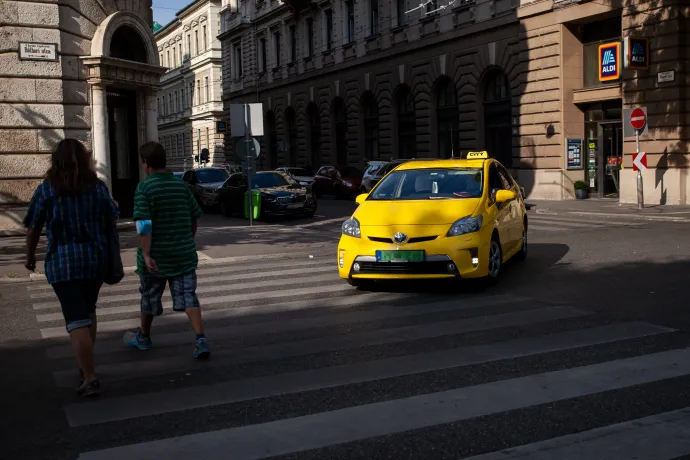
[109, 346]
[212, 275]
[55, 332]
[394, 416]
[332, 277]
[227, 392]
[665, 436]
[225, 357]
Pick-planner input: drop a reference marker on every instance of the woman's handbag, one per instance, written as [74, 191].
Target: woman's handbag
[114, 271]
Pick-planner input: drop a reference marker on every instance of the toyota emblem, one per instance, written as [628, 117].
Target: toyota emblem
[400, 238]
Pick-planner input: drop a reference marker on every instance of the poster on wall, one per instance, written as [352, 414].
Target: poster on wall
[573, 154]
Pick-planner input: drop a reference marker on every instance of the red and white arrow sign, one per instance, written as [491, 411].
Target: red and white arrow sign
[639, 161]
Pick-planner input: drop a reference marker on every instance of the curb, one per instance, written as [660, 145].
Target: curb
[202, 262]
[121, 227]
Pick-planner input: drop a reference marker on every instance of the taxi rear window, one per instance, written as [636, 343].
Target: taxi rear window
[430, 184]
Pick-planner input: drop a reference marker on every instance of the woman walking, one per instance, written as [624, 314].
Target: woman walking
[76, 209]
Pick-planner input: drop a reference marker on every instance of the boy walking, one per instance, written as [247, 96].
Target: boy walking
[166, 214]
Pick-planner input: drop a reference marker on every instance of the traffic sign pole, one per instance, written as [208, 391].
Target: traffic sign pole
[638, 120]
[247, 140]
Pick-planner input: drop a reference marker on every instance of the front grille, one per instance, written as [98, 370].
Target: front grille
[403, 268]
[290, 199]
[419, 239]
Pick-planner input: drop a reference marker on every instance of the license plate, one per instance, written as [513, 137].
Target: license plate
[294, 205]
[400, 256]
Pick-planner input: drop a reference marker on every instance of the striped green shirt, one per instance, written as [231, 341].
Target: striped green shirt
[170, 206]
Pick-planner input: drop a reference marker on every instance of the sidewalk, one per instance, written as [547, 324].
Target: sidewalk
[610, 207]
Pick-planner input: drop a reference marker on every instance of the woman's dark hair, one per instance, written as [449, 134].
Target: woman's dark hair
[153, 154]
[70, 170]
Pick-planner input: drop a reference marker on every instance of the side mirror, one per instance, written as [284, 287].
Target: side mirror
[360, 198]
[505, 195]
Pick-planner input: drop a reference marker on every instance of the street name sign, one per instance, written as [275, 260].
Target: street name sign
[640, 161]
[38, 51]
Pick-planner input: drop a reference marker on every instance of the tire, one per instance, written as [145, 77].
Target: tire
[360, 284]
[495, 262]
[522, 255]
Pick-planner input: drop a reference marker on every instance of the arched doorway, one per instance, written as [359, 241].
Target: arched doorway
[447, 118]
[406, 122]
[314, 123]
[339, 123]
[124, 75]
[291, 133]
[370, 119]
[271, 143]
[497, 114]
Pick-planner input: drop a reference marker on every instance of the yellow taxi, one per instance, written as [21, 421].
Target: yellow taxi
[455, 218]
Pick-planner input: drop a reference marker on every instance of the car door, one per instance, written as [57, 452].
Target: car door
[233, 192]
[322, 181]
[502, 210]
[515, 211]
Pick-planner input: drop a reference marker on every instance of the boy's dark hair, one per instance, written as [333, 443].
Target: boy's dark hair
[153, 154]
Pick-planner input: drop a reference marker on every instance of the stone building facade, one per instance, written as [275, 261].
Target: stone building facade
[343, 82]
[93, 76]
[190, 104]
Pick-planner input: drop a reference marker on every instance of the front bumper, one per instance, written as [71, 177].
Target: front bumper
[463, 256]
[209, 199]
[271, 208]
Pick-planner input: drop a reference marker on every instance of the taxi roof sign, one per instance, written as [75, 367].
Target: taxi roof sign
[477, 155]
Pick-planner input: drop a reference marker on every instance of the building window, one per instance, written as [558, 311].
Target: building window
[406, 122]
[370, 113]
[189, 46]
[447, 117]
[198, 140]
[174, 55]
[183, 101]
[314, 134]
[432, 6]
[401, 11]
[184, 147]
[203, 37]
[374, 17]
[208, 90]
[310, 37]
[276, 47]
[339, 120]
[160, 112]
[196, 42]
[329, 28]
[238, 60]
[161, 60]
[497, 118]
[272, 140]
[191, 93]
[350, 21]
[198, 92]
[167, 58]
[171, 107]
[293, 44]
[208, 140]
[262, 53]
[177, 102]
[291, 128]
[180, 50]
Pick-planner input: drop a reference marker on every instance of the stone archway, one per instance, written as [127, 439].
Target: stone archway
[123, 70]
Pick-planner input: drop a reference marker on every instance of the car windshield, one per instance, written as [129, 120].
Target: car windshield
[269, 180]
[206, 176]
[430, 184]
[298, 172]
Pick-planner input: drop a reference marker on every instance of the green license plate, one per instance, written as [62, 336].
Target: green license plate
[400, 256]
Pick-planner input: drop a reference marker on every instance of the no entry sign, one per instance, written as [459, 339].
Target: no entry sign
[640, 161]
[638, 119]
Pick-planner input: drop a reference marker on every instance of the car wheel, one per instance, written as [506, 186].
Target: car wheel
[522, 255]
[495, 259]
[361, 284]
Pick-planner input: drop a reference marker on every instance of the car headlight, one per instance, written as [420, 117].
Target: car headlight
[347, 184]
[351, 228]
[465, 225]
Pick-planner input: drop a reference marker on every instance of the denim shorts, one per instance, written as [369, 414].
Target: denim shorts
[78, 302]
[182, 289]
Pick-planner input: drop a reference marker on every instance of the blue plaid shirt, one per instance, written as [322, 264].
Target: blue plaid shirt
[75, 227]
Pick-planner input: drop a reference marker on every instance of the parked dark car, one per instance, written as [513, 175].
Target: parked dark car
[205, 183]
[375, 171]
[301, 175]
[342, 182]
[280, 194]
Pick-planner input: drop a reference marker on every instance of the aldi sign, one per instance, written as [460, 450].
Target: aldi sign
[609, 61]
[636, 53]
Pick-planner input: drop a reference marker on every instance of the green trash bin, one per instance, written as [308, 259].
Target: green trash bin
[256, 204]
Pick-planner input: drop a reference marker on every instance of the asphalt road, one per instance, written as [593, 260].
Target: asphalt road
[579, 352]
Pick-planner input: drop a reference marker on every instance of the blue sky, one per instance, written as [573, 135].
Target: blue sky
[164, 10]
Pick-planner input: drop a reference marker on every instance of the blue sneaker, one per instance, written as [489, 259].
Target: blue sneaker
[134, 339]
[201, 349]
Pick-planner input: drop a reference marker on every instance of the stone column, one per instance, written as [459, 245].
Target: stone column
[151, 117]
[100, 129]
